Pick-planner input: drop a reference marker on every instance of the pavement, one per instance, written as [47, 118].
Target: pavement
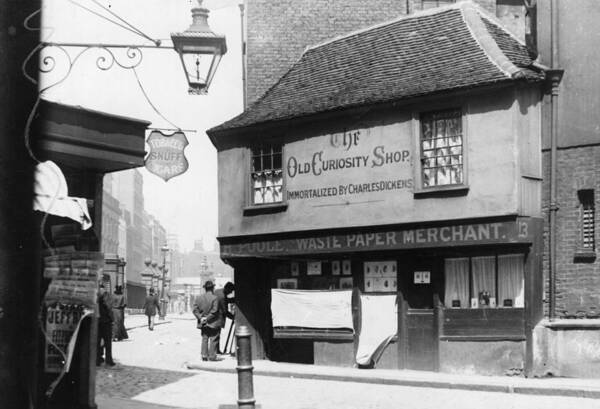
[583, 388]
[162, 369]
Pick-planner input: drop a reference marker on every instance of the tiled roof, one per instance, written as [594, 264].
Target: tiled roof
[439, 50]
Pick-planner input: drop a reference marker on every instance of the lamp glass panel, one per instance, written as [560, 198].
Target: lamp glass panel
[197, 67]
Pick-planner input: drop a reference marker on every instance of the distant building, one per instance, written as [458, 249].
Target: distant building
[128, 189]
[111, 215]
[205, 264]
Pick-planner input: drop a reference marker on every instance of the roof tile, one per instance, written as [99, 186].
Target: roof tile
[413, 56]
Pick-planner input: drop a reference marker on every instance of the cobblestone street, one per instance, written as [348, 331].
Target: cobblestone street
[151, 371]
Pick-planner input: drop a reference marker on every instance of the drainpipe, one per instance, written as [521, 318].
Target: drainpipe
[554, 75]
[243, 56]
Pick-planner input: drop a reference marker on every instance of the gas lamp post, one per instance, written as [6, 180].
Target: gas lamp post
[163, 301]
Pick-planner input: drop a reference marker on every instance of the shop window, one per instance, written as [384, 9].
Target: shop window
[441, 149]
[266, 175]
[456, 274]
[588, 218]
[484, 282]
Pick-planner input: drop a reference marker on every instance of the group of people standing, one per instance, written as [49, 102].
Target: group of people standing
[211, 310]
[111, 323]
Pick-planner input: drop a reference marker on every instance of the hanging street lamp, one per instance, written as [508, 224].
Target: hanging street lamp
[200, 50]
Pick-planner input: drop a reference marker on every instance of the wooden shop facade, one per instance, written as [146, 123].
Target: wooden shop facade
[401, 160]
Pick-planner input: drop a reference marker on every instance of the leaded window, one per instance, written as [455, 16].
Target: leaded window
[441, 145]
[266, 174]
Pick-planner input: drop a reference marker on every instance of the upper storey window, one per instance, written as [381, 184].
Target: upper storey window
[441, 148]
[266, 176]
[429, 4]
[588, 220]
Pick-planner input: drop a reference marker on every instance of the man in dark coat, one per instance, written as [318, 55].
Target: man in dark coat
[118, 308]
[104, 328]
[224, 302]
[151, 306]
[206, 310]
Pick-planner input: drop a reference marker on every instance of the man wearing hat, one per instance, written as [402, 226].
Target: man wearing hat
[206, 310]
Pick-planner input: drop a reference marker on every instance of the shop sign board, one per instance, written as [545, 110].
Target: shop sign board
[517, 231]
[359, 162]
[166, 158]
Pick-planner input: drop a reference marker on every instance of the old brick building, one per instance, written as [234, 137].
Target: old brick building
[569, 338]
[279, 31]
[564, 34]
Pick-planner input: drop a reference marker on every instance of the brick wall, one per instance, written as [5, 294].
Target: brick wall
[279, 31]
[577, 281]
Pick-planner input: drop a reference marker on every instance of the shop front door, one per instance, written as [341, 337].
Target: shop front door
[418, 283]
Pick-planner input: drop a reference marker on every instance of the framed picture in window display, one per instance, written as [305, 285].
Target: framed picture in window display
[266, 174]
[336, 268]
[346, 267]
[346, 283]
[380, 276]
[313, 268]
[295, 268]
[287, 283]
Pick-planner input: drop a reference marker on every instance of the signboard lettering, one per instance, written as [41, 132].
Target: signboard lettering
[348, 164]
[166, 158]
[465, 234]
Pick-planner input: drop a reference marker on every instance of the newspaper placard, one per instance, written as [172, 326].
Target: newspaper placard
[61, 322]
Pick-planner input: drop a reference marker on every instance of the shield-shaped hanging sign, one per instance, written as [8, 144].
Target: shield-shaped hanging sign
[166, 158]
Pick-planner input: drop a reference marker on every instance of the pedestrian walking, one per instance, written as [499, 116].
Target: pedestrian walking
[118, 305]
[223, 296]
[206, 310]
[151, 306]
[105, 322]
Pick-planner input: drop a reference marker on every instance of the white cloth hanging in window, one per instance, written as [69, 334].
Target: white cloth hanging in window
[311, 308]
[484, 275]
[511, 280]
[51, 195]
[456, 272]
[379, 324]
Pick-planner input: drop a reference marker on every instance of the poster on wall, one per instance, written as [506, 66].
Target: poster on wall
[313, 268]
[380, 276]
[346, 283]
[70, 297]
[346, 268]
[61, 323]
[287, 283]
[295, 269]
[336, 268]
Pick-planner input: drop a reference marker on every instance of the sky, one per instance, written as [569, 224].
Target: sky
[187, 204]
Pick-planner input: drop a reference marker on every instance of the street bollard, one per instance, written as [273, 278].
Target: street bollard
[244, 368]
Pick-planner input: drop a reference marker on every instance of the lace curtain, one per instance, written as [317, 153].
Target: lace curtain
[484, 275]
[456, 272]
[511, 279]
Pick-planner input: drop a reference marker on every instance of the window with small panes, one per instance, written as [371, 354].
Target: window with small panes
[266, 174]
